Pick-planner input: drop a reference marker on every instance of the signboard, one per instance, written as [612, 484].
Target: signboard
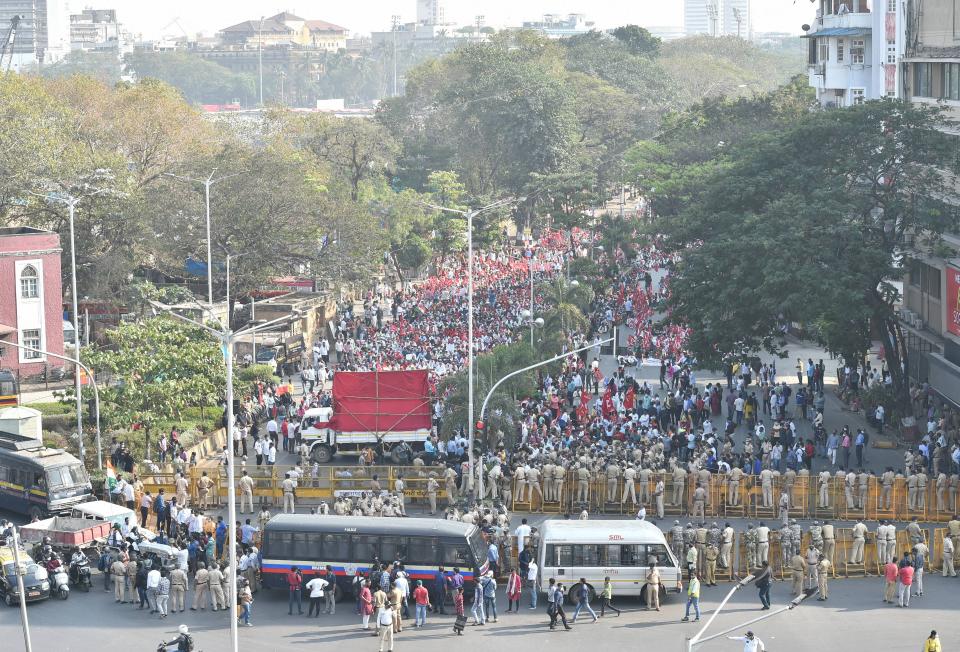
[953, 300]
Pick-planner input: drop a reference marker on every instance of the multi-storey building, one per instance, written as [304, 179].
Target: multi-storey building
[43, 35]
[855, 49]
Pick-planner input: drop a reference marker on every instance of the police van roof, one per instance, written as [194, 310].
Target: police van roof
[369, 525]
[600, 531]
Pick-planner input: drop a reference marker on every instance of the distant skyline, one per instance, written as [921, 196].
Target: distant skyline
[154, 19]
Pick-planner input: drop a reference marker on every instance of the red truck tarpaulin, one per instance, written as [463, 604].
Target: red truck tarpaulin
[381, 401]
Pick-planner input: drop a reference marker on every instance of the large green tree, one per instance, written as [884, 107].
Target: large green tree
[808, 223]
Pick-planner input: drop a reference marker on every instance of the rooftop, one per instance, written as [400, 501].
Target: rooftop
[322, 25]
[22, 230]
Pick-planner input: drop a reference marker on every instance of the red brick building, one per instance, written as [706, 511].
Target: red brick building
[31, 298]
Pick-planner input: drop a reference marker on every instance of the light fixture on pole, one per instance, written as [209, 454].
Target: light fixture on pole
[93, 383]
[206, 183]
[227, 338]
[470, 344]
[71, 201]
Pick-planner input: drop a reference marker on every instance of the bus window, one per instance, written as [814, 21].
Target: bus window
[633, 555]
[365, 548]
[565, 556]
[659, 551]
[478, 546]
[591, 555]
[39, 481]
[336, 547]
[394, 548]
[457, 554]
[280, 545]
[301, 548]
[422, 551]
[611, 555]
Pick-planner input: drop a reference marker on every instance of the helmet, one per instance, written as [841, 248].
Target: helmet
[183, 629]
[676, 522]
[47, 542]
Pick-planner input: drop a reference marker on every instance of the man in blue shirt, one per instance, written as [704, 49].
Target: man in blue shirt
[493, 556]
[221, 536]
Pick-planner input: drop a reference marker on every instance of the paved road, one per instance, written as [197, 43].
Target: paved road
[854, 618]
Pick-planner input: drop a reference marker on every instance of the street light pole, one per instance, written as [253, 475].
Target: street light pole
[71, 205]
[93, 383]
[19, 572]
[260, 57]
[531, 298]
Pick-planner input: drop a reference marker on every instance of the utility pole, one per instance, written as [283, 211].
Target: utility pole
[260, 58]
[480, 20]
[395, 27]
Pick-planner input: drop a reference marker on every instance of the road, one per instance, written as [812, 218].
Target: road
[854, 618]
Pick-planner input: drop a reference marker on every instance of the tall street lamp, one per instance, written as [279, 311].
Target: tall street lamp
[20, 570]
[71, 201]
[227, 339]
[470, 347]
[209, 181]
[260, 56]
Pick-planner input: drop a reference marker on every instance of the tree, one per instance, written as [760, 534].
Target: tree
[568, 304]
[199, 80]
[807, 224]
[155, 369]
[638, 40]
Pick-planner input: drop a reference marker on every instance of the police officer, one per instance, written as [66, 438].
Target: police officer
[726, 545]
[676, 539]
[711, 554]
[829, 540]
[201, 582]
[763, 543]
[178, 589]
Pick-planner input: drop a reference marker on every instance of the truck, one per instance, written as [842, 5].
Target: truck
[388, 411]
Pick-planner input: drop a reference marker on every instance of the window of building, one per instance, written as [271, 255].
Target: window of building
[857, 96]
[840, 47]
[29, 283]
[31, 338]
[923, 79]
[951, 81]
[857, 49]
[824, 51]
[891, 6]
[891, 51]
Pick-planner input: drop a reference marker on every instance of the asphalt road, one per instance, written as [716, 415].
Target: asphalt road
[854, 618]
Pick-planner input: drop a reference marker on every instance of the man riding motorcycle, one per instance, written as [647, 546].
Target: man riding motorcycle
[78, 561]
[183, 642]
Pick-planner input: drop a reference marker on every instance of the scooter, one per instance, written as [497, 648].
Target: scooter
[60, 581]
[80, 574]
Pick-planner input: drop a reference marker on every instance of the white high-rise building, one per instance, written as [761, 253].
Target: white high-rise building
[703, 17]
[736, 18]
[431, 12]
[44, 32]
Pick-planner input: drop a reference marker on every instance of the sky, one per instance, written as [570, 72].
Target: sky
[154, 18]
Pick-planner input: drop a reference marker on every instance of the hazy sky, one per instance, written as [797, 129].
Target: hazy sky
[153, 18]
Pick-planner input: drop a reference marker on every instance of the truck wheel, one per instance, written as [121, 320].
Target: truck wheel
[321, 454]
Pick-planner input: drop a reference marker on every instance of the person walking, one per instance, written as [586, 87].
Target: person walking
[246, 602]
[919, 563]
[490, 596]
[763, 581]
[163, 594]
[906, 582]
[890, 574]
[385, 620]
[458, 611]
[477, 610]
[693, 598]
[932, 644]
[366, 604]
[421, 601]
[607, 597]
[513, 591]
[556, 605]
[583, 600]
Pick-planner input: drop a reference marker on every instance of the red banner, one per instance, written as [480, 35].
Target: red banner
[953, 300]
[381, 401]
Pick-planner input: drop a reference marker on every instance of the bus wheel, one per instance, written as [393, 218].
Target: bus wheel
[321, 454]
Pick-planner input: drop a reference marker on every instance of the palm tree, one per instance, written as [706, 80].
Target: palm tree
[569, 303]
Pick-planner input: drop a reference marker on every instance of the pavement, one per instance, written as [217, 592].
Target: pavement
[854, 618]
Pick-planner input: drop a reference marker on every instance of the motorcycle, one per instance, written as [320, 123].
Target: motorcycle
[80, 574]
[60, 581]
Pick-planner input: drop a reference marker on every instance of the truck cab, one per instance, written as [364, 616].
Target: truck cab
[315, 429]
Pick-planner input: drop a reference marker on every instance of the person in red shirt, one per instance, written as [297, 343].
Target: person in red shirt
[890, 575]
[458, 610]
[295, 583]
[513, 591]
[422, 599]
[906, 580]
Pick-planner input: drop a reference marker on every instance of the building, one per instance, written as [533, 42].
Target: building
[854, 50]
[286, 30]
[555, 26]
[667, 32]
[43, 35]
[95, 29]
[431, 12]
[931, 291]
[703, 17]
[31, 298]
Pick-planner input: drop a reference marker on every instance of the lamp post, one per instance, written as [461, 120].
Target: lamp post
[260, 56]
[557, 358]
[470, 352]
[19, 571]
[71, 201]
[395, 25]
[227, 338]
[93, 383]
[209, 181]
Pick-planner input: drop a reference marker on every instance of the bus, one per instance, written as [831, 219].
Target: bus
[9, 394]
[351, 543]
[620, 550]
[39, 481]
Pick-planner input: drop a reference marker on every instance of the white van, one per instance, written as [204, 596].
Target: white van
[620, 550]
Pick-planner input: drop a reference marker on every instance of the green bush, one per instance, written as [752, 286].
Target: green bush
[255, 372]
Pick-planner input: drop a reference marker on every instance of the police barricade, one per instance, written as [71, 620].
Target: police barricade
[855, 499]
[728, 572]
[735, 496]
[854, 559]
[883, 500]
[939, 500]
[905, 544]
[674, 494]
[555, 491]
[764, 500]
[935, 560]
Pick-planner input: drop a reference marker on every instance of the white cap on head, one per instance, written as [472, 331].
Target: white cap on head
[183, 629]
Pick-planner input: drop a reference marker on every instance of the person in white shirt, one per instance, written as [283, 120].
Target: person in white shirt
[642, 514]
[532, 571]
[153, 583]
[750, 642]
[316, 587]
[522, 532]
[196, 524]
